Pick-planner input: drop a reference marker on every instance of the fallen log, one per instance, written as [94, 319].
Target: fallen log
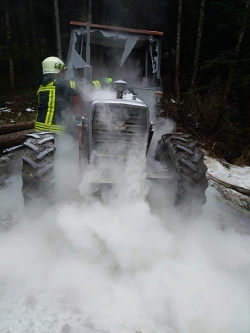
[13, 139]
[12, 128]
[239, 189]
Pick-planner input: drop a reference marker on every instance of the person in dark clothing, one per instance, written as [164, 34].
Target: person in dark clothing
[56, 97]
[105, 82]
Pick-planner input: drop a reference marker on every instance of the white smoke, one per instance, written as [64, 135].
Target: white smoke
[125, 264]
[161, 126]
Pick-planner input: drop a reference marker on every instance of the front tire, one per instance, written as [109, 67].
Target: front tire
[182, 156]
[38, 169]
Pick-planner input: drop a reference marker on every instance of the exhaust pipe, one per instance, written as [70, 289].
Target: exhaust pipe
[120, 86]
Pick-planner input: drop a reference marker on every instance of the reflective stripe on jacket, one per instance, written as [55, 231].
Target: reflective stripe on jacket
[104, 82]
[97, 84]
[52, 128]
[53, 101]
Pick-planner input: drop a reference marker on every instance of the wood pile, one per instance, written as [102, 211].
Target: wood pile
[14, 134]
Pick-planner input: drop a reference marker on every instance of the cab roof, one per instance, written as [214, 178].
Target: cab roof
[109, 27]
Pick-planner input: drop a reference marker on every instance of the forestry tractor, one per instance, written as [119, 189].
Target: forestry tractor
[118, 119]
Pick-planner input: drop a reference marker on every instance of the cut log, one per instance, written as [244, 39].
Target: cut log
[12, 128]
[239, 189]
[13, 139]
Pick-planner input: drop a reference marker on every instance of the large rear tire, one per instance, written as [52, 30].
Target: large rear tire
[183, 158]
[38, 169]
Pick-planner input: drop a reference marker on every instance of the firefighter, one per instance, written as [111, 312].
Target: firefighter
[56, 97]
[105, 82]
[98, 84]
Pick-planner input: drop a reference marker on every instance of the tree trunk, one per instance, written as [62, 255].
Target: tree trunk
[83, 10]
[103, 17]
[237, 52]
[198, 45]
[32, 24]
[13, 139]
[9, 45]
[58, 37]
[177, 60]
[90, 11]
[11, 128]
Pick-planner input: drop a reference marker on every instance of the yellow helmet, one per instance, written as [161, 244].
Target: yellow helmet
[53, 65]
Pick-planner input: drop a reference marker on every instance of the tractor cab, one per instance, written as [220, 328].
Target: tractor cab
[119, 53]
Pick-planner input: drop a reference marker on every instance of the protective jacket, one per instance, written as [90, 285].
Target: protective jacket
[54, 99]
[105, 82]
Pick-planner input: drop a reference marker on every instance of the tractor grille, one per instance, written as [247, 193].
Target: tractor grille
[118, 130]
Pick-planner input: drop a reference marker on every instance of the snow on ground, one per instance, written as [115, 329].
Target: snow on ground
[232, 182]
[229, 173]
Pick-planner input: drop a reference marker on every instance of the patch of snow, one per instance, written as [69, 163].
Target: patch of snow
[173, 101]
[232, 182]
[30, 110]
[5, 109]
[12, 121]
[233, 174]
[19, 114]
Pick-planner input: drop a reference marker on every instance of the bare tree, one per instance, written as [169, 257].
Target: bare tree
[237, 51]
[9, 45]
[83, 10]
[58, 36]
[90, 11]
[103, 11]
[177, 60]
[31, 13]
[21, 24]
[198, 45]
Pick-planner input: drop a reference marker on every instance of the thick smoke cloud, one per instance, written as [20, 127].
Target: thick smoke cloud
[129, 263]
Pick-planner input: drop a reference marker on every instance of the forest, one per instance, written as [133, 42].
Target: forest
[205, 58]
